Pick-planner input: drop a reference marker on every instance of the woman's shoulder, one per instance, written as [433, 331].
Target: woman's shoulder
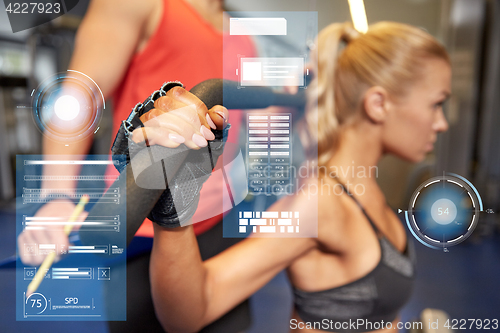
[326, 194]
[320, 204]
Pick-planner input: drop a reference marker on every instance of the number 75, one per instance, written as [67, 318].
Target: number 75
[38, 303]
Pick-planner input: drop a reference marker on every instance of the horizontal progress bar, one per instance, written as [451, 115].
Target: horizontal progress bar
[87, 251]
[42, 162]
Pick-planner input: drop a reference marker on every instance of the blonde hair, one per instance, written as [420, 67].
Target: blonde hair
[389, 55]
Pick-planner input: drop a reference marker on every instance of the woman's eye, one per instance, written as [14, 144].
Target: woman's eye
[438, 105]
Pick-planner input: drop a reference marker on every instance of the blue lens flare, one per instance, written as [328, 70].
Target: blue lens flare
[67, 107]
[436, 192]
[443, 211]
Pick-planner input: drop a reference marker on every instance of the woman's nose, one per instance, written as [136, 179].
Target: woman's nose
[440, 124]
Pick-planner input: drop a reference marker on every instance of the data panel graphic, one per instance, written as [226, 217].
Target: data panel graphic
[273, 154]
[74, 285]
[269, 154]
[269, 222]
[272, 72]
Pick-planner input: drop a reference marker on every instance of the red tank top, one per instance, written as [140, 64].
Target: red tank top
[187, 48]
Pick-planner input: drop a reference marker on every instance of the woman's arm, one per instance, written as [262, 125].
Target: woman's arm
[178, 279]
[189, 294]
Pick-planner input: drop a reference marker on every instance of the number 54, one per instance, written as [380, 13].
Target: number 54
[441, 212]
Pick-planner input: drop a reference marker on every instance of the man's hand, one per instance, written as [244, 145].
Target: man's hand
[60, 211]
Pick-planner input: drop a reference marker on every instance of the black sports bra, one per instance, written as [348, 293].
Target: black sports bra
[377, 296]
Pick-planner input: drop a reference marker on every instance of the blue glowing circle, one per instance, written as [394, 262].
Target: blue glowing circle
[444, 211]
[68, 106]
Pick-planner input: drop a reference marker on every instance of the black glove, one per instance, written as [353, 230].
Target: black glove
[180, 171]
[178, 203]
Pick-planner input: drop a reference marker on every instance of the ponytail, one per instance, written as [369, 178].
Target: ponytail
[320, 109]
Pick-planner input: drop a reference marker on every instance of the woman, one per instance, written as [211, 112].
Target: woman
[382, 94]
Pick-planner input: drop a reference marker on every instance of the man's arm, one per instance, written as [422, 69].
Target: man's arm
[108, 37]
[106, 41]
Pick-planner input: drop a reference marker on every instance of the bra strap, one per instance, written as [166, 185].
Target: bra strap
[377, 231]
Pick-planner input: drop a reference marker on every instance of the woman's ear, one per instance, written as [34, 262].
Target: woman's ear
[376, 103]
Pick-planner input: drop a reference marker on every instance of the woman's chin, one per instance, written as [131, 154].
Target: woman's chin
[412, 158]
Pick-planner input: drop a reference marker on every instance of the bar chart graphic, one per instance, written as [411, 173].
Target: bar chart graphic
[269, 154]
[72, 273]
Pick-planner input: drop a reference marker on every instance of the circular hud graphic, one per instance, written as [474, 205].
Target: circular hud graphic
[444, 211]
[67, 107]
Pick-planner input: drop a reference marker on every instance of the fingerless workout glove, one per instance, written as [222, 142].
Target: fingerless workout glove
[180, 171]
